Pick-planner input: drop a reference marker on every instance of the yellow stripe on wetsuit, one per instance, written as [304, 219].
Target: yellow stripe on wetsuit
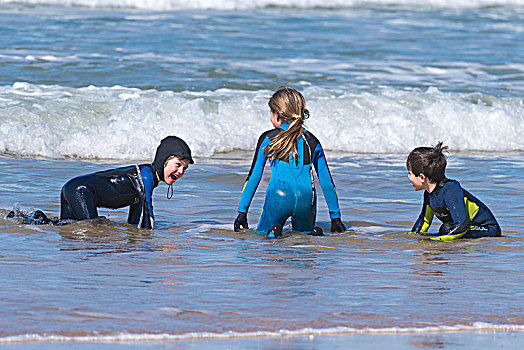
[428, 219]
[471, 210]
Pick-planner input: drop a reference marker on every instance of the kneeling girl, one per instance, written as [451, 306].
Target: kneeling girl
[292, 151]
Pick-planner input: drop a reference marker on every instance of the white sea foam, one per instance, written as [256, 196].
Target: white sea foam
[125, 123]
[162, 5]
[119, 337]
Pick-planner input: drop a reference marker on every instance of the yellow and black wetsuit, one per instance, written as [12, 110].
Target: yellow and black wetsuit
[462, 214]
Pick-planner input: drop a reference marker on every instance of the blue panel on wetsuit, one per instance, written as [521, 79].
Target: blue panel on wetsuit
[290, 192]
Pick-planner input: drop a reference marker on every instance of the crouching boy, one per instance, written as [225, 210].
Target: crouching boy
[462, 214]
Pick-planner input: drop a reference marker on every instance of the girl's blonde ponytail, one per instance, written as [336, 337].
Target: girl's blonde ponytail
[290, 106]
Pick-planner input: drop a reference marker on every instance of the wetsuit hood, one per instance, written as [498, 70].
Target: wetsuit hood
[170, 146]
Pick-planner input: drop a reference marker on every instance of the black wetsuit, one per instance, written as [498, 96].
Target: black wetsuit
[116, 188]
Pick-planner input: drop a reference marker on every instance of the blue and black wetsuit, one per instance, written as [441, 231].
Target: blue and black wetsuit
[462, 214]
[290, 192]
[116, 188]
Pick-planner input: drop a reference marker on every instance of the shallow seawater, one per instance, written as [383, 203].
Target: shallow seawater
[193, 277]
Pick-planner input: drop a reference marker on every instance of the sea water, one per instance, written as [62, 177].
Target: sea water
[90, 85]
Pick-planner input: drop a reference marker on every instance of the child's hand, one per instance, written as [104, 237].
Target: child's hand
[240, 221]
[337, 225]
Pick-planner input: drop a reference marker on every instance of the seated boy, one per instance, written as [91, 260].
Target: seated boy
[117, 188]
[462, 214]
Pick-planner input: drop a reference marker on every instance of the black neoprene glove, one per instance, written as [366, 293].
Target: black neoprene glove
[240, 221]
[337, 225]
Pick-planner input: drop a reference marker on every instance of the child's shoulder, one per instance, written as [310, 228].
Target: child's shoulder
[145, 168]
[270, 133]
[450, 182]
[310, 137]
[451, 185]
[147, 174]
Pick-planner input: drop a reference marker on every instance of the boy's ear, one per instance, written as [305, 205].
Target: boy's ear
[422, 177]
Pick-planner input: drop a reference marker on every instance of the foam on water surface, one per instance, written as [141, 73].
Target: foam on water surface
[126, 123]
[144, 337]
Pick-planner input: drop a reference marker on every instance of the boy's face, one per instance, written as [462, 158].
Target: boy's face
[175, 169]
[418, 182]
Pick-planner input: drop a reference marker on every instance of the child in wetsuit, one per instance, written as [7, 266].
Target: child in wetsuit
[127, 186]
[292, 151]
[462, 214]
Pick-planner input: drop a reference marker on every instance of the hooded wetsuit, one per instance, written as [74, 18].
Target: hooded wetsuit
[116, 188]
[290, 192]
[462, 214]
